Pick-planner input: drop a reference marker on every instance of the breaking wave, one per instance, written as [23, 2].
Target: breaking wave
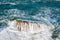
[50, 16]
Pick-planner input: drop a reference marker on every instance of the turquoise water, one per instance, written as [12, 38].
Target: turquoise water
[42, 12]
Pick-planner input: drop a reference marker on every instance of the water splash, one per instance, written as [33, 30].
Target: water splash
[31, 11]
[32, 30]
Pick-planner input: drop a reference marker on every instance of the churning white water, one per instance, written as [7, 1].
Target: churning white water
[33, 33]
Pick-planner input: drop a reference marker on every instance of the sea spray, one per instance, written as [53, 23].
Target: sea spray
[32, 30]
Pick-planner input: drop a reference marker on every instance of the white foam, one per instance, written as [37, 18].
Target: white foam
[12, 33]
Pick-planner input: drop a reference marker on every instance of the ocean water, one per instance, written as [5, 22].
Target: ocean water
[45, 12]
